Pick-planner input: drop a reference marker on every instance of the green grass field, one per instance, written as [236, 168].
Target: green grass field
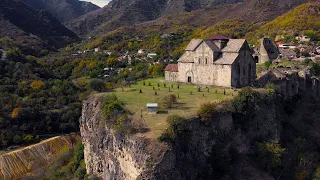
[187, 105]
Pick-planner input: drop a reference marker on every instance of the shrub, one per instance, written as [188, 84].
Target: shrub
[177, 129]
[208, 110]
[245, 104]
[97, 85]
[270, 86]
[120, 124]
[112, 106]
[28, 138]
[269, 154]
[170, 100]
[17, 139]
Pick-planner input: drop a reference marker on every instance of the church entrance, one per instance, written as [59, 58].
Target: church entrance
[189, 79]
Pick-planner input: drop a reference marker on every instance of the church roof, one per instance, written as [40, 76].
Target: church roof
[172, 68]
[186, 57]
[212, 46]
[227, 58]
[194, 43]
[234, 45]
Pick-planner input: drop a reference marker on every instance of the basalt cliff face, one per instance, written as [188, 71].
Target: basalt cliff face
[31, 159]
[211, 149]
[110, 155]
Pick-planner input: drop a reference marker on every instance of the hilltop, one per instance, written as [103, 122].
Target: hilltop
[63, 10]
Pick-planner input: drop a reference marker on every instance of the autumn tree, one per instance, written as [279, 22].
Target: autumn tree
[37, 84]
[15, 113]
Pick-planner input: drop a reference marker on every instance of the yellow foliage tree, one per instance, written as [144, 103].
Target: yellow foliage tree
[37, 84]
[15, 112]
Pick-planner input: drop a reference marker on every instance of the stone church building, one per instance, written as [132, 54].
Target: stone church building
[217, 61]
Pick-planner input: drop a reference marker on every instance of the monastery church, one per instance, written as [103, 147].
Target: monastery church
[217, 61]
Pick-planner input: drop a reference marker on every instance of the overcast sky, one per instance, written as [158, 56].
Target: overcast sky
[100, 3]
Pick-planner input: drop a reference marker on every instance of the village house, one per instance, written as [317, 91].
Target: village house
[217, 61]
[303, 38]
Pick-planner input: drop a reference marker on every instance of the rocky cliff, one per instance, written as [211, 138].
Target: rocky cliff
[28, 160]
[211, 150]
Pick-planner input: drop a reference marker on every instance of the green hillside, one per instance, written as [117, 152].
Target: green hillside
[304, 19]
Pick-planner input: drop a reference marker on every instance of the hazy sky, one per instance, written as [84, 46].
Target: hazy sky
[100, 3]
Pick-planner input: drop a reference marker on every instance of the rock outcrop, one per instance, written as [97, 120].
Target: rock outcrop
[15, 164]
[111, 155]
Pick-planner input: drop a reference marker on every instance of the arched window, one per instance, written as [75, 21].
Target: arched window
[199, 61]
[206, 60]
[244, 71]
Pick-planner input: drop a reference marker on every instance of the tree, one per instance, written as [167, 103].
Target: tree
[113, 62]
[17, 139]
[15, 113]
[97, 84]
[170, 100]
[37, 84]
[269, 154]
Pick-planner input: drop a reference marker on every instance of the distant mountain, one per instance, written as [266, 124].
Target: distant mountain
[128, 12]
[63, 10]
[34, 29]
[193, 13]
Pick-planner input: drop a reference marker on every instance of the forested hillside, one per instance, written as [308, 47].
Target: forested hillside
[34, 30]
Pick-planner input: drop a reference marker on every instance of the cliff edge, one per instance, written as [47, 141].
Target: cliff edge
[210, 149]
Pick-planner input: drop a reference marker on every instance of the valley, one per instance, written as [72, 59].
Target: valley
[160, 89]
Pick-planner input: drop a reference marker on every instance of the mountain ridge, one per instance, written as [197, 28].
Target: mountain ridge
[63, 10]
[34, 29]
[118, 13]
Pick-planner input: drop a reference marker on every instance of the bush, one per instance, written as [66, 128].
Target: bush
[208, 110]
[112, 106]
[69, 164]
[97, 85]
[120, 124]
[245, 104]
[28, 138]
[269, 154]
[177, 129]
[170, 100]
[17, 139]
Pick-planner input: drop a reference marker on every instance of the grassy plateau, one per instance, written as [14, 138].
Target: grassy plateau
[188, 96]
